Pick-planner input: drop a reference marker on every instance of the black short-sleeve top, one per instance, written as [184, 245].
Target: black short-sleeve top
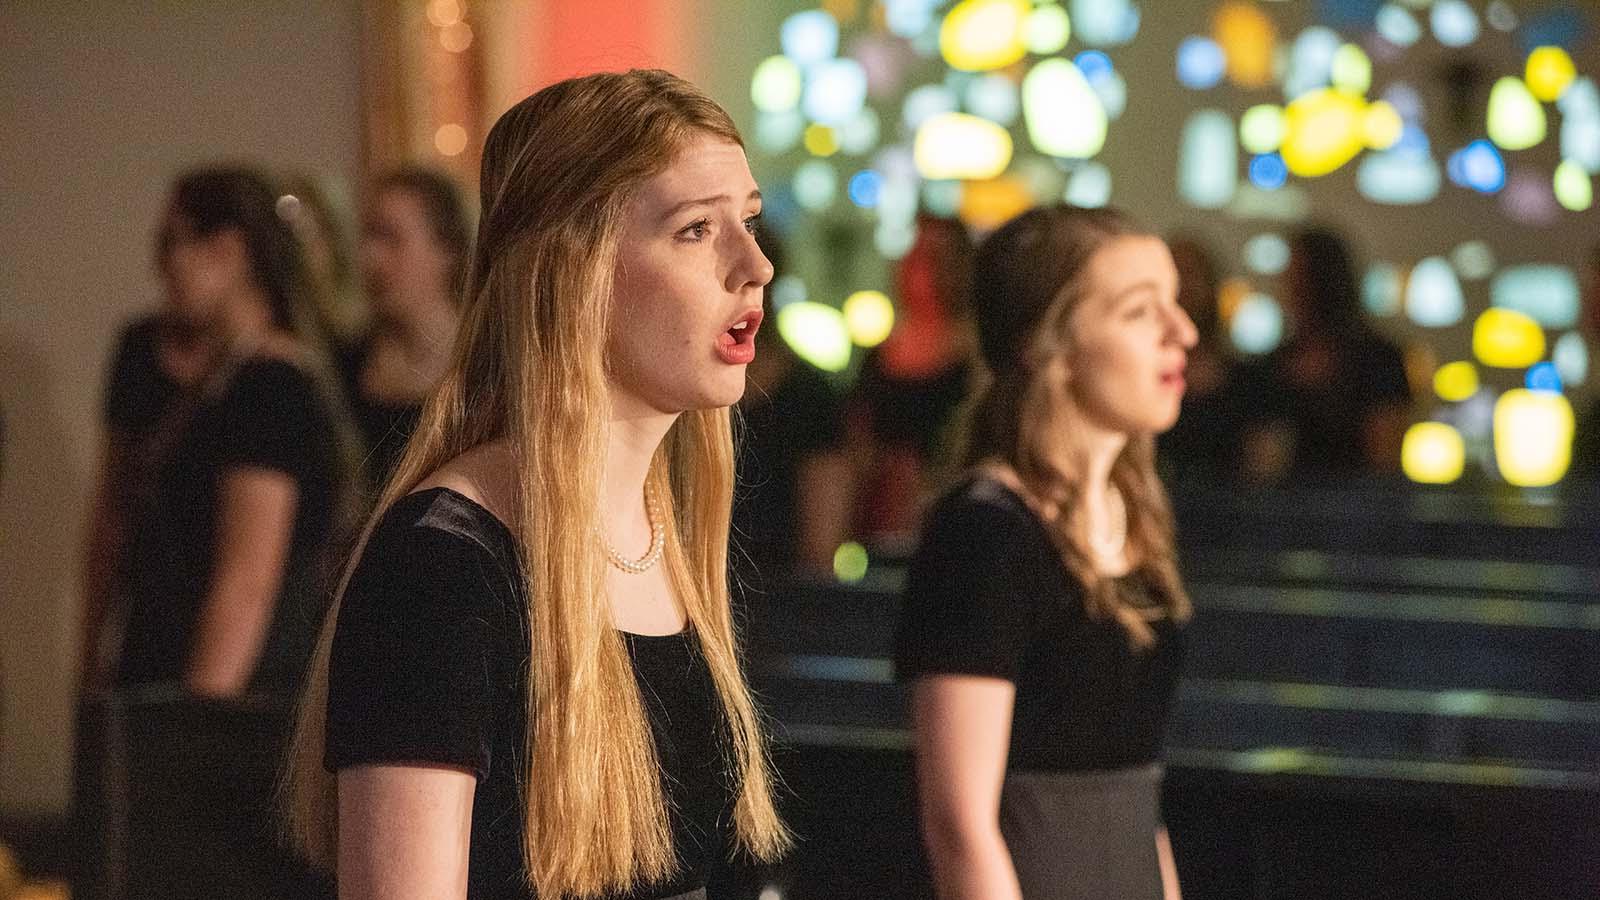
[268, 414]
[430, 664]
[138, 391]
[988, 594]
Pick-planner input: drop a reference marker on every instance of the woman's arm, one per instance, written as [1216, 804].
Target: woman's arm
[102, 557]
[825, 488]
[963, 730]
[404, 832]
[1169, 868]
[255, 525]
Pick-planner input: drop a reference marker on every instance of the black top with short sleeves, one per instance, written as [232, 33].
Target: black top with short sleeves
[988, 594]
[430, 664]
[261, 413]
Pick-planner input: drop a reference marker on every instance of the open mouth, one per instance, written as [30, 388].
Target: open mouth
[737, 345]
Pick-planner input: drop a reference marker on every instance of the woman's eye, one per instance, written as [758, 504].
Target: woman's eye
[753, 224]
[696, 231]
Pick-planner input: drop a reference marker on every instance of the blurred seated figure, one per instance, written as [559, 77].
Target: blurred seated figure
[414, 245]
[1333, 401]
[1203, 445]
[229, 469]
[792, 495]
[901, 414]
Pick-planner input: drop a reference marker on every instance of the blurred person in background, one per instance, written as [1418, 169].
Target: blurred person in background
[901, 413]
[242, 476]
[237, 461]
[415, 239]
[793, 495]
[156, 356]
[1043, 620]
[321, 223]
[1202, 446]
[1333, 401]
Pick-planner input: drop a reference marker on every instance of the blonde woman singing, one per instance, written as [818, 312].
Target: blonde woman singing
[1042, 629]
[529, 685]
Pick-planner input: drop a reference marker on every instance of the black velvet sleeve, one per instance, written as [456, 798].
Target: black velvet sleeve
[271, 418]
[418, 662]
[969, 606]
[135, 392]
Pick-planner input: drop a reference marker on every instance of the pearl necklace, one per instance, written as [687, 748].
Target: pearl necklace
[658, 540]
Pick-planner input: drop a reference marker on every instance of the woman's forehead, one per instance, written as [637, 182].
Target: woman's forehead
[706, 167]
[1126, 261]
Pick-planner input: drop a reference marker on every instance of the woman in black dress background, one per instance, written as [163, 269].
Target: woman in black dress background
[415, 237]
[1042, 627]
[233, 470]
[239, 469]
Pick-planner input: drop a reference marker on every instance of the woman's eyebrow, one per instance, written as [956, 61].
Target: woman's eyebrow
[1136, 287]
[705, 201]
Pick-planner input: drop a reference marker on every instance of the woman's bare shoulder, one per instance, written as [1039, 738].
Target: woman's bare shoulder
[485, 474]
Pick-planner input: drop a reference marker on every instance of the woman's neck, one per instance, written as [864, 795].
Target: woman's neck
[243, 323]
[634, 436]
[424, 329]
[1101, 516]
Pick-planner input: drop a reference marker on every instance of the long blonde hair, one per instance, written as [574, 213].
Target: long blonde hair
[559, 172]
[1028, 279]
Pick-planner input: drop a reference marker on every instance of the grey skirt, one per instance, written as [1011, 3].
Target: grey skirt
[1084, 835]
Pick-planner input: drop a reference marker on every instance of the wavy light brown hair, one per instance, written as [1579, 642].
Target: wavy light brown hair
[560, 170]
[1029, 277]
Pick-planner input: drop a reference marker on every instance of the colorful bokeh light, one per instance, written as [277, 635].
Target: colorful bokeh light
[1257, 325]
[961, 146]
[868, 317]
[1478, 166]
[1572, 186]
[1547, 294]
[1201, 63]
[1105, 23]
[1064, 115]
[1048, 30]
[1455, 24]
[980, 35]
[1261, 128]
[817, 333]
[1433, 453]
[1507, 339]
[776, 84]
[809, 37]
[1456, 381]
[1433, 295]
[1208, 160]
[1532, 437]
[1549, 73]
[1516, 120]
[1248, 41]
[1323, 130]
[1571, 357]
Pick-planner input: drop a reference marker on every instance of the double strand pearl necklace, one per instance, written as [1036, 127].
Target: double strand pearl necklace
[658, 540]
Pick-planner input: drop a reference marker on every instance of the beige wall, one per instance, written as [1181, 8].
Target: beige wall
[104, 102]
